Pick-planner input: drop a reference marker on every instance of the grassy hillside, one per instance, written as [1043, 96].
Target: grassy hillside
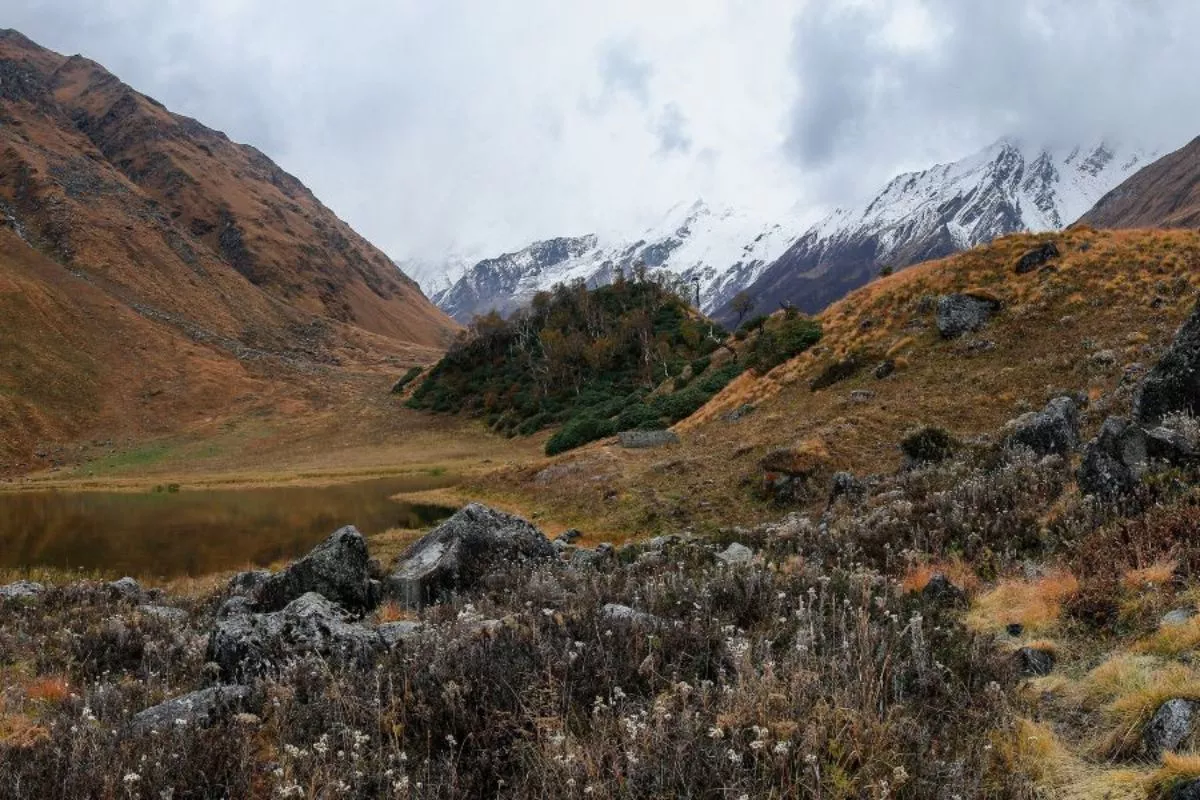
[598, 361]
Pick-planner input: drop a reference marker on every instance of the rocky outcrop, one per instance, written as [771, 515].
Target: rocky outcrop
[646, 439]
[958, 314]
[21, 590]
[1037, 257]
[1173, 385]
[199, 708]
[125, 589]
[460, 551]
[1170, 726]
[736, 553]
[249, 644]
[940, 589]
[337, 569]
[248, 584]
[1053, 430]
[1114, 461]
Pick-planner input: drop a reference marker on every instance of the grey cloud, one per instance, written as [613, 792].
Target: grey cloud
[1056, 71]
[622, 69]
[672, 131]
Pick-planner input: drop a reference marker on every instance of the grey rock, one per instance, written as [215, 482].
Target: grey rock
[248, 584]
[941, 589]
[744, 410]
[1170, 726]
[1032, 662]
[639, 440]
[615, 612]
[1173, 384]
[1114, 461]
[1036, 257]
[393, 634]
[584, 558]
[1188, 790]
[235, 606]
[195, 709]
[1174, 441]
[1014, 629]
[458, 553]
[337, 569]
[164, 613]
[125, 589]
[1053, 430]
[845, 485]
[21, 589]
[962, 313]
[736, 553]
[885, 368]
[1178, 616]
[569, 535]
[245, 645]
[861, 396]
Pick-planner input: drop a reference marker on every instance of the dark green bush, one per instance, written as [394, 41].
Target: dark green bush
[579, 431]
[781, 339]
[410, 376]
[639, 416]
[928, 445]
[837, 372]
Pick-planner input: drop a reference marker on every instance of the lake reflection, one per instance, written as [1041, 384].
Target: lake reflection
[201, 531]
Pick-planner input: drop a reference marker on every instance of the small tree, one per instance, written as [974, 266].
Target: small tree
[742, 304]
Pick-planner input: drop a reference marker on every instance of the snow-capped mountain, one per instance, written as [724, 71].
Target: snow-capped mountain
[1008, 187]
[718, 251]
[436, 275]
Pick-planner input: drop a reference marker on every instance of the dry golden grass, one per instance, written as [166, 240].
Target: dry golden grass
[1063, 773]
[48, 689]
[1036, 604]
[1176, 768]
[956, 570]
[392, 611]
[1150, 577]
[1171, 640]
[1043, 343]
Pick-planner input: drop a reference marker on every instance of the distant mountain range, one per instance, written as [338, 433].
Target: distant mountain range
[1008, 187]
[1165, 194]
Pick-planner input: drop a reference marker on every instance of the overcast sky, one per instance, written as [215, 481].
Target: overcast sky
[480, 125]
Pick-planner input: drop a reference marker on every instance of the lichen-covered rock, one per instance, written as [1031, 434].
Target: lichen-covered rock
[844, 484]
[197, 708]
[163, 613]
[1173, 384]
[1053, 430]
[459, 552]
[942, 590]
[962, 313]
[1188, 790]
[21, 590]
[336, 569]
[1176, 617]
[248, 584]
[393, 634]
[638, 440]
[1036, 257]
[246, 645]
[1170, 726]
[1114, 461]
[615, 612]
[736, 553]
[125, 589]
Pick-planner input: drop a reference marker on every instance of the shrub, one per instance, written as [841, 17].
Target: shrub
[781, 340]
[639, 416]
[410, 376]
[837, 372]
[928, 445]
[579, 431]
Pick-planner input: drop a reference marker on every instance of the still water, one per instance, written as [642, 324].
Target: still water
[164, 535]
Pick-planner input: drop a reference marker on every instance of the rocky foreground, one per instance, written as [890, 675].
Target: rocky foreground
[1000, 618]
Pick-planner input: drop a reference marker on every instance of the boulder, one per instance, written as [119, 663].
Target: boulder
[1036, 257]
[393, 634]
[615, 612]
[1033, 662]
[1176, 617]
[463, 549]
[21, 589]
[247, 645]
[962, 313]
[861, 396]
[248, 584]
[1187, 790]
[844, 484]
[337, 569]
[1173, 384]
[125, 589]
[885, 368]
[1053, 430]
[1176, 440]
[163, 613]
[1114, 461]
[196, 709]
[1170, 726]
[736, 553]
[639, 440]
[569, 535]
[942, 590]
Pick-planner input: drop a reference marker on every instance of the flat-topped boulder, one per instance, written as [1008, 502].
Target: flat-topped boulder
[958, 314]
[455, 555]
[641, 440]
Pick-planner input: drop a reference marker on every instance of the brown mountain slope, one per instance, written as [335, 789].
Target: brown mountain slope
[155, 273]
[1103, 310]
[1165, 194]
